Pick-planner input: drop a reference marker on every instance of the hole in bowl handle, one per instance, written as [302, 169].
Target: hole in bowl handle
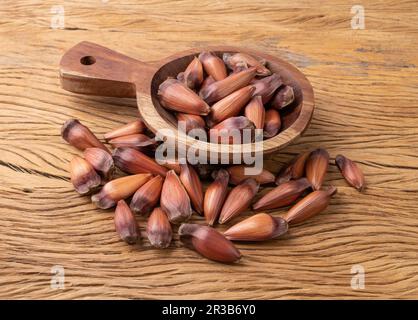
[89, 68]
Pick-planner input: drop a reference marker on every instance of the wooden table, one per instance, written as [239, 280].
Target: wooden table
[366, 88]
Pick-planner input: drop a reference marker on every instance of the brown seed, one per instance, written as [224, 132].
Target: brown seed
[213, 65]
[83, 176]
[239, 67]
[193, 76]
[230, 106]
[223, 88]
[312, 204]
[259, 227]
[180, 76]
[79, 136]
[351, 172]
[283, 97]
[272, 123]
[204, 170]
[237, 175]
[174, 199]
[193, 186]
[316, 167]
[238, 200]
[172, 165]
[125, 223]
[208, 242]
[206, 83]
[255, 112]
[132, 141]
[295, 169]
[237, 60]
[215, 196]
[119, 189]
[283, 195]
[148, 151]
[174, 95]
[266, 87]
[159, 229]
[101, 161]
[147, 196]
[187, 122]
[231, 131]
[134, 127]
[133, 161]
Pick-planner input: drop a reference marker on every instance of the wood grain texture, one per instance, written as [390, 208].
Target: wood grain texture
[366, 93]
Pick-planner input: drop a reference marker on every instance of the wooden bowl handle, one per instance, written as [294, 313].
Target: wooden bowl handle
[88, 68]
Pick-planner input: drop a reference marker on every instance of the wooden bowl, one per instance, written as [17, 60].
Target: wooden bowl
[88, 68]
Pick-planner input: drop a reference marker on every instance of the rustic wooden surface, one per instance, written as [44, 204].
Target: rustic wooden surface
[366, 88]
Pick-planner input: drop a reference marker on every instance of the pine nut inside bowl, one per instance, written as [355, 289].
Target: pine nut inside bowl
[116, 75]
[253, 91]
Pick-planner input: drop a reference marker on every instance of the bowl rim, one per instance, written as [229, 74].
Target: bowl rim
[271, 145]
